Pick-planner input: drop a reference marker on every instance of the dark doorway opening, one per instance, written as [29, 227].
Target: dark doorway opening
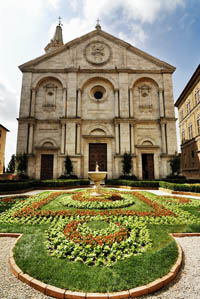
[147, 166]
[46, 167]
[98, 153]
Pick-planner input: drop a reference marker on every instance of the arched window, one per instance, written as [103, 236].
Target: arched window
[190, 133]
[198, 124]
[197, 95]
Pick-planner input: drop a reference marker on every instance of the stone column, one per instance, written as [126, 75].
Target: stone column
[79, 103]
[116, 138]
[161, 102]
[33, 102]
[163, 138]
[116, 103]
[62, 138]
[30, 145]
[131, 102]
[64, 101]
[78, 139]
[133, 138]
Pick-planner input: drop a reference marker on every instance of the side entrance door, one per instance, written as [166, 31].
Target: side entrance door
[46, 167]
[147, 166]
[98, 153]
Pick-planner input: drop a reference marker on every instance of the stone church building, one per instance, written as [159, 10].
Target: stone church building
[95, 98]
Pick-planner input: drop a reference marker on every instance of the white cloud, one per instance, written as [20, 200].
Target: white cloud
[132, 13]
[142, 10]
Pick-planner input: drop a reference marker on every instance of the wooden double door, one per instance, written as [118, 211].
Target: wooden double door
[147, 166]
[98, 153]
[46, 167]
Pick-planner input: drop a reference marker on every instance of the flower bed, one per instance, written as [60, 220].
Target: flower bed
[98, 250]
[108, 200]
[76, 241]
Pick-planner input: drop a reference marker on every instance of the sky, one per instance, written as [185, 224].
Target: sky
[166, 29]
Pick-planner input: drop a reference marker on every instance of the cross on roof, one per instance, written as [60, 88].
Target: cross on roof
[98, 21]
[60, 24]
[98, 26]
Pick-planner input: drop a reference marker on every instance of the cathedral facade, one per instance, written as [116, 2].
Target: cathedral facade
[95, 98]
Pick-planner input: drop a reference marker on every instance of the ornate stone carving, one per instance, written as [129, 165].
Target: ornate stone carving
[97, 53]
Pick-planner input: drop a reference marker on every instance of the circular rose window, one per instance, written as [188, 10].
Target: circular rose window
[98, 93]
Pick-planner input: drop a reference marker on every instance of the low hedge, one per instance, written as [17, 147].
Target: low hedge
[180, 187]
[23, 185]
[132, 183]
[64, 183]
[16, 186]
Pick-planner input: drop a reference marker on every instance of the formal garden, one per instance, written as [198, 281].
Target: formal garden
[109, 243]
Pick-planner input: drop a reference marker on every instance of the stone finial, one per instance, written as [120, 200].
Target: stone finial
[57, 40]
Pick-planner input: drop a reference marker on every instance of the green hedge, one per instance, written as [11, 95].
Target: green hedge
[64, 183]
[16, 186]
[132, 183]
[23, 185]
[180, 187]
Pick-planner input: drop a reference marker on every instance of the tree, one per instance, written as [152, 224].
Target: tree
[175, 164]
[68, 166]
[11, 164]
[127, 163]
[21, 163]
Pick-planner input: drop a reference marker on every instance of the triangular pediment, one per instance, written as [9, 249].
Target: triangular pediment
[97, 49]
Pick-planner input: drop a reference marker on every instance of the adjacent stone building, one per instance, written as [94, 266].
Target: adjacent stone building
[3, 132]
[188, 105]
[95, 98]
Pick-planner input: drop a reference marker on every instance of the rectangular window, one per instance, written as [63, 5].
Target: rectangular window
[188, 107]
[198, 124]
[197, 96]
[182, 115]
[190, 131]
[183, 136]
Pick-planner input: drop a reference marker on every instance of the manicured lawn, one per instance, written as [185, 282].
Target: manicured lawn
[98, 250]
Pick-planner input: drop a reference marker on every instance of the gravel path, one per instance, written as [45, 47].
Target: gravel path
[186, 285]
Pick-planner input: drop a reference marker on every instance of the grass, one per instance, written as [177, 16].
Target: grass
[58, 204]
[192, 210]
[97, 225]
[32, 257]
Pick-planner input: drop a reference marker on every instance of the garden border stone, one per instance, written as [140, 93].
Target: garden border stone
[62, 293]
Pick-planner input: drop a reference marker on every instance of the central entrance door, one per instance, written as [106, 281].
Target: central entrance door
[46, 167]
[147, 167]
[98, 153]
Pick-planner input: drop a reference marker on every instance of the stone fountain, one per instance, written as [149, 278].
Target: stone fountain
[97, 176]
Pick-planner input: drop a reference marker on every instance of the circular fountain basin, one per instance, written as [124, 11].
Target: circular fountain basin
[97, 176]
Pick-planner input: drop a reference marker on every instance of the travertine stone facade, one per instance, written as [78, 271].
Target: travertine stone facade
[97, 89]
[3, 132]
[188, 105]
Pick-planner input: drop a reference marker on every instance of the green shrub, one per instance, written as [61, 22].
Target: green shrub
[180, 187]
[132, 183]
[23, 185]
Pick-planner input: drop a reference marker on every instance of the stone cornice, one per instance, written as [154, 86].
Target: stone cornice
[92, 71]
[189, 87]
[155, 147]
[97, 136]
